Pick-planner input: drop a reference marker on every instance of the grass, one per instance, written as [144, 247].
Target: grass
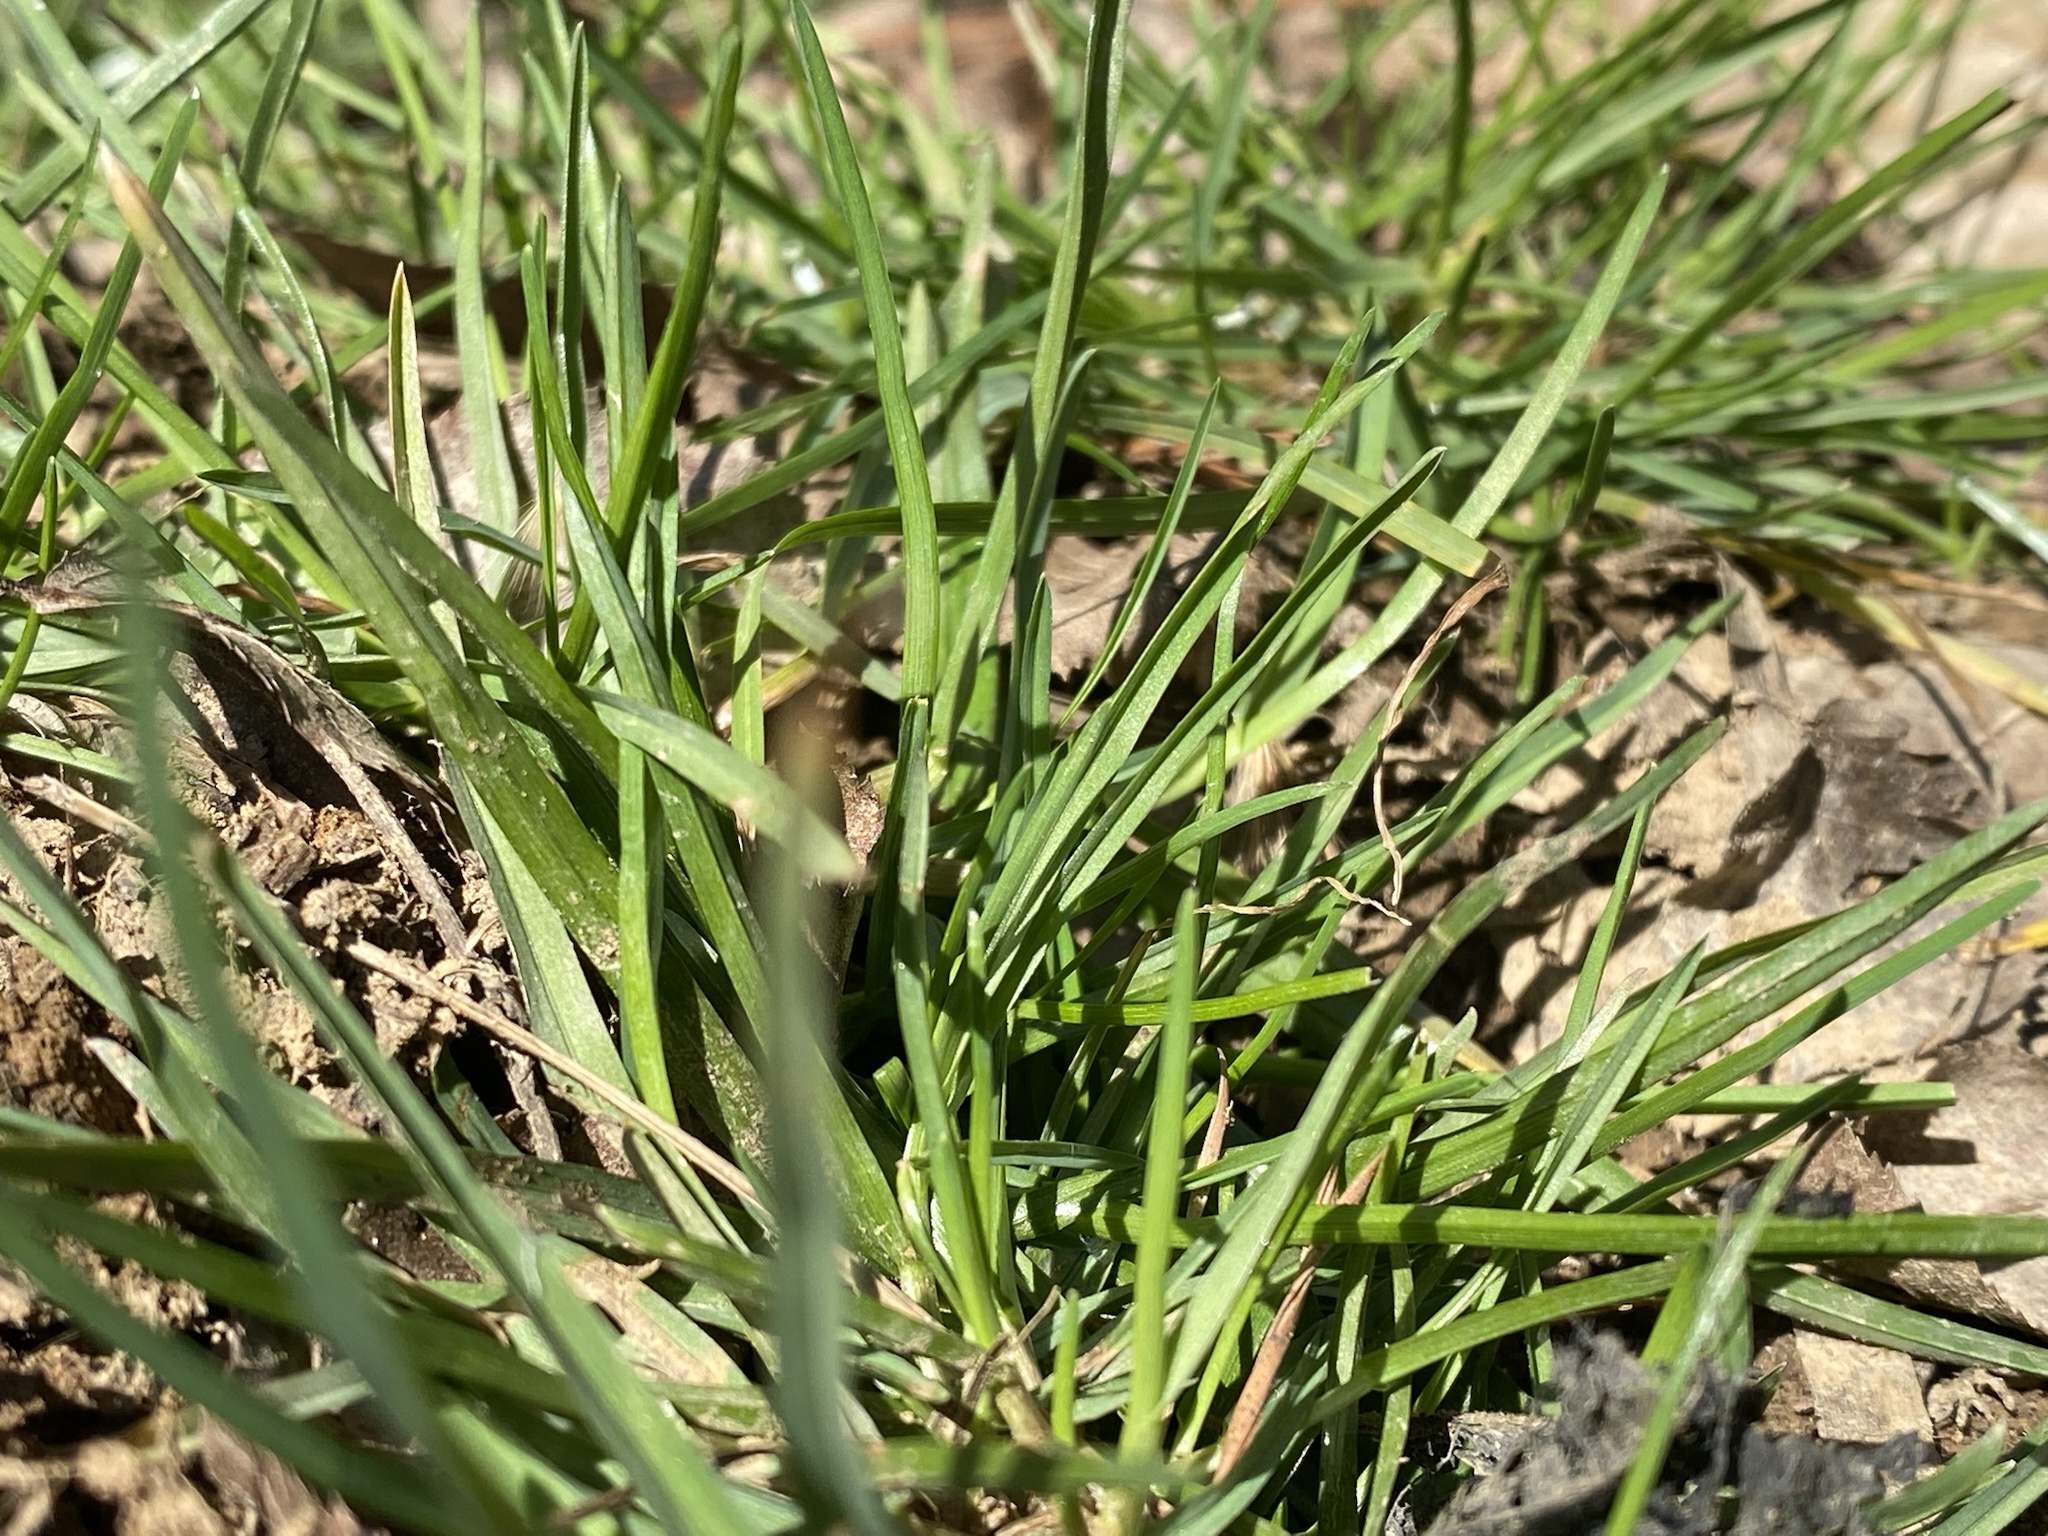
[918, 1197]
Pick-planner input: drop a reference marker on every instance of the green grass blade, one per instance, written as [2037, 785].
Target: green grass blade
[1813, 241]
[1814, 1301]
[808, 1311]
[1721, 1289]
[286, 64]
[1143, 1427]
[134, 96]
[704, 760]
[21, 326]
[1618, 1069]
[667, 1469]
[1487, 495]
[935, 1109]
[497, 496]
[25, 474]
[885, 337]
[1585, 992]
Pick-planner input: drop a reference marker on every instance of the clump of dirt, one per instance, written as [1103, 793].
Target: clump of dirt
[1557, 1475]
[355, 842]
[55, 1384]
[174, 1473]
[325, 814]
[45, 1066]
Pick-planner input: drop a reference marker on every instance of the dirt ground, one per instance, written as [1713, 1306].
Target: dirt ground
[1848, 761]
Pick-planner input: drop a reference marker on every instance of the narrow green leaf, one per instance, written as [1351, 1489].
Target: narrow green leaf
[1143, 1428]
[885, 338]
[25, 474]
[667, 1469]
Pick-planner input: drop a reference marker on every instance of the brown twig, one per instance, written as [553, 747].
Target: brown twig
[1258, 1383]
[73, 802]
[1212, 1143]
[1299, 896]
[397, 842]
[978, 1374]
[628, 1108]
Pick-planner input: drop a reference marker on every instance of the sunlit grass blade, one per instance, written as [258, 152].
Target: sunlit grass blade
[378, 1481]
[25, 473]
[1815, 240]
[667, 1470]
[700, 757]
[134, 96]
[295, 1205]
[885, 337]
[1487, 495]
[1721, 1289]
[497, 496]
[1142, 1432]
[286, 64]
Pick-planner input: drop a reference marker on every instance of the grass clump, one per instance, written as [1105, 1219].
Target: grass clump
[935, 1189]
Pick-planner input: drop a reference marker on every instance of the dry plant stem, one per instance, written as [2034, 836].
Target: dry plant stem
[1258, 1383]
[1212, 1143]
[1301, 895]
[570, 1516]
[540, 1125]
[1011, 1347]
[58, 795]
[1469, 599]
[629, 1109]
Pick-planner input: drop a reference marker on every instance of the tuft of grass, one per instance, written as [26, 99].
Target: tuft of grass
[937, 1189]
